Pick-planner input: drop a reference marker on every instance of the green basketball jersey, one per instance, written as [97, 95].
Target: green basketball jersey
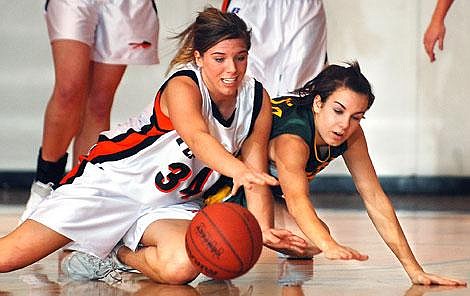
[298, 120]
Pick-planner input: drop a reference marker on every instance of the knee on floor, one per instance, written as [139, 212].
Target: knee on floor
[177, 271]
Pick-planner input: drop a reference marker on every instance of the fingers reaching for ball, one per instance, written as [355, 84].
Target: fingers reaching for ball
[287, 243]
[249, 178]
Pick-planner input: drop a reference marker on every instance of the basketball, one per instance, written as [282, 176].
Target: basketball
[224, 241]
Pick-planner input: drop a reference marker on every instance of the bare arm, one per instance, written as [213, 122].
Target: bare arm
[290, 153]
[381, 211]
[182, 101]
[436, 29]
[259, 198]
[254, 155]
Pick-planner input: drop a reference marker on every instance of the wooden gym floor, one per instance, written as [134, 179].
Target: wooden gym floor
[440, 239]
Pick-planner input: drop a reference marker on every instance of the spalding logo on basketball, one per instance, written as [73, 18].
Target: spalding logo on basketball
[224, 241]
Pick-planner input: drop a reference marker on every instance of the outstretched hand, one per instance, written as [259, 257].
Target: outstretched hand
[285, 242]
[339, 252]
[420, 290]
[434, 33]
[424, 278]
[249, 178]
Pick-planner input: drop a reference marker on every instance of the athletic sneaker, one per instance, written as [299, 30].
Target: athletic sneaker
[39, 192]
[82, 266]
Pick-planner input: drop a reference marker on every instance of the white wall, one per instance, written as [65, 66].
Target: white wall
[416, 126]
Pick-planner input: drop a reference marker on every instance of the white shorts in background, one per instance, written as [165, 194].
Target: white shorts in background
[97, 217]
[288, 41]
[121, 32]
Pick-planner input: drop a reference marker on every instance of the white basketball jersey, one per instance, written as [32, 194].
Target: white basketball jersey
[288, 45]
[146, 160]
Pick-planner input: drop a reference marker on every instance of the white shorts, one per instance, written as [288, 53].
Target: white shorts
[96, 219]
[288, 41]
[118, 31]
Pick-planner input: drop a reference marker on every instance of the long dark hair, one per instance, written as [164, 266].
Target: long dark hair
[210, 27]
[332, 78]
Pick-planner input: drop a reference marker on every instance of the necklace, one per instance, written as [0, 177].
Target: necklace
[316, 152]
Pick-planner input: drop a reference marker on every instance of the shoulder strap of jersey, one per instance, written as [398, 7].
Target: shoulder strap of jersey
[258, 102]
[188, 73]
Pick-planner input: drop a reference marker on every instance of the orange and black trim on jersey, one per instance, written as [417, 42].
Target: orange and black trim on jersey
[131, 142]
[123, 145]
[225, 5]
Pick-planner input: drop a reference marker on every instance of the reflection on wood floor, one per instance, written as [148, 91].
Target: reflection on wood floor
[440, 240]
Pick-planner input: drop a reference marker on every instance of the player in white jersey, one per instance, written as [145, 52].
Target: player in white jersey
[168, 172]
[288, 41]
[144, 182]
[118, 31]
[92, 43]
